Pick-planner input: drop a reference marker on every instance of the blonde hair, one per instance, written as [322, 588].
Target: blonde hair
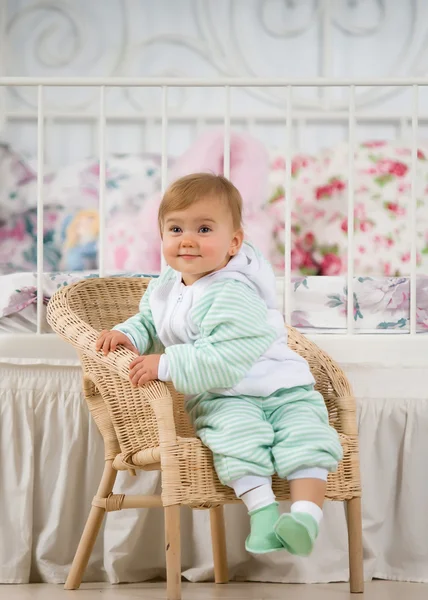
[190, 189]
[72, 237]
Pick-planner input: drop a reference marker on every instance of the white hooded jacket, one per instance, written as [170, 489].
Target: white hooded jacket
[224, 334]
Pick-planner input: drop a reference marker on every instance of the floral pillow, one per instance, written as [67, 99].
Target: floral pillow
[382, 203]
[130, 180]
[71, 218]
[18, 242]
[18, 182]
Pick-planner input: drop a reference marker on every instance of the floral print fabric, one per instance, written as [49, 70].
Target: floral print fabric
[319, 212]
[382, 200]
[69, 195]
[319, 303]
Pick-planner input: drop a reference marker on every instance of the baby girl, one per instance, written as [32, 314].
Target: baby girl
[210, 324]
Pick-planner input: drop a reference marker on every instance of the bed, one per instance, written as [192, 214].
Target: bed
[367, 307]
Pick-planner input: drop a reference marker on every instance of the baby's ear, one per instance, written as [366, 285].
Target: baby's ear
[236, 242]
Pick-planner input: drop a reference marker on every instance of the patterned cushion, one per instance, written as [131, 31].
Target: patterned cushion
[382, 204]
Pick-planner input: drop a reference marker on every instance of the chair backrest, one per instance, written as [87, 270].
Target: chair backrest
[105, 302]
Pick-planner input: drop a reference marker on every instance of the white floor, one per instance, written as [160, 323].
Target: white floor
[379, 590]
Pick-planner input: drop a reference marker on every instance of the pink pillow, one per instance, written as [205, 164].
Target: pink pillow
[248, 171]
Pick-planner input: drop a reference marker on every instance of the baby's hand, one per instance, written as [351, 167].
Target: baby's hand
[144, 369]
[108, 341]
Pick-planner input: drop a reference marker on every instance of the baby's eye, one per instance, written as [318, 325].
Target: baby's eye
[175, 229]
[204, 229]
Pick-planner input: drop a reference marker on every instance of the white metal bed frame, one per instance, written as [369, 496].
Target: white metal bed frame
[349, 347]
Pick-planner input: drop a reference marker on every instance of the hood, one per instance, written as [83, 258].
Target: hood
[250, 267]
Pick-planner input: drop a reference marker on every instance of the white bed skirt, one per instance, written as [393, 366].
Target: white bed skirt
[52, 458]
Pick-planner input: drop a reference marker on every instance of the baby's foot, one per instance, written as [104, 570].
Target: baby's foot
[262, 538]
[297, 532]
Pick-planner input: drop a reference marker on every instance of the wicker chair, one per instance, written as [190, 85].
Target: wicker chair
[146, 428]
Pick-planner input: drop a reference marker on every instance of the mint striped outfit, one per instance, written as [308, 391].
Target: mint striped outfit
[282, 433]
[250, 398]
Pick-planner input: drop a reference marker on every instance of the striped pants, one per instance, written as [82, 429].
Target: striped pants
[282, 433]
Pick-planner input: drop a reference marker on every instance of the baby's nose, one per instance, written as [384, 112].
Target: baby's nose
[188, 243]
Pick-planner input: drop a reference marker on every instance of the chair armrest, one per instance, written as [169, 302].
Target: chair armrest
[329, 377]
[83, 337]
[344, 399]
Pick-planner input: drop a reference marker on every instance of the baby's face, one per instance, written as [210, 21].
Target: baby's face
[200, 239]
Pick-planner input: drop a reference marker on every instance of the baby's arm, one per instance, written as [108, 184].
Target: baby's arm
[234, 333]
[138, 331]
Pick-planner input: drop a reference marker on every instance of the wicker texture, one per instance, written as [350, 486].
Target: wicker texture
[140, 424]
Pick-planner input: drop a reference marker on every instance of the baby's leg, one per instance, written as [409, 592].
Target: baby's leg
[237, 433]
[309, 485]
[257, 495]
[240, 437]
[306, 448]
[298, 530]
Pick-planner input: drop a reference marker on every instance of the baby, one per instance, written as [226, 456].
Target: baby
[250, 398]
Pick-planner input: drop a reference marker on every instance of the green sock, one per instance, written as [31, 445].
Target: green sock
[262, 538]
[297, 532]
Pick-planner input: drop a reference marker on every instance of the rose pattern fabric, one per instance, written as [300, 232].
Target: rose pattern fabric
[382, 199]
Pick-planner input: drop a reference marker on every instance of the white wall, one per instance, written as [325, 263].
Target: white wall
[207, 38]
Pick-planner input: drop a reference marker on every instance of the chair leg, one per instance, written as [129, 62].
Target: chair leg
[355, 538]
[92, 527]
[173, 552]
[218, 535]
